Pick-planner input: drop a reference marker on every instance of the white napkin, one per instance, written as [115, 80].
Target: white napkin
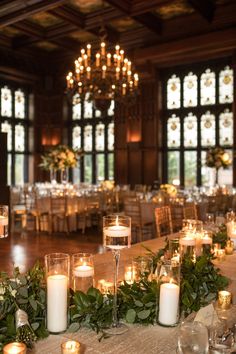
[207, 315]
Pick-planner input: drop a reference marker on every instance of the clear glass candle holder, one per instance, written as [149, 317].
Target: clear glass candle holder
[187, 243]
[169, 292]
[82, 271]
[14, 348]
[57, 276]
[229, 248]
[142, 268]
[70, 347]
[207, 241]
[4, 217]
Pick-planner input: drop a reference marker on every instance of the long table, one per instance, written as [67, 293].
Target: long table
[139, 339]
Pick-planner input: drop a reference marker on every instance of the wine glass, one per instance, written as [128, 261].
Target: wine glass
[193, 338]
[116, 236]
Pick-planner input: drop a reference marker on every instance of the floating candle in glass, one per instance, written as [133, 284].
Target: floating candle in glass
[82, 271]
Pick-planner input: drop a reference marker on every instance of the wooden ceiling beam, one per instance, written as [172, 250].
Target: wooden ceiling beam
[206, 8]
[102, 16]
[26, 11]
[69, 15]
[122, 5]
[30, 29]
[140, 6]
[150, 21]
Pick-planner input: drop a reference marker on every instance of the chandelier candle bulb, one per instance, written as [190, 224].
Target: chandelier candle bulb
[97, 59]
[85, 60]
[109, 59]
[168, 304]
[88, 50]
[103, 50]
[70, 347]
[14, 348]
[117, 49]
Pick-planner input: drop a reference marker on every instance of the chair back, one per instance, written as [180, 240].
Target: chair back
[163, 221]
[190, 211]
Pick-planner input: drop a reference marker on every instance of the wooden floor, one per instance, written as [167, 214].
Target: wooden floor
[24, 248]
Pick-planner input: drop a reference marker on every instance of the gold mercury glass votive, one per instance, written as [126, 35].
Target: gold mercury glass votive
[229, 248]
[14, 348]
[70, 347]
[224, 299]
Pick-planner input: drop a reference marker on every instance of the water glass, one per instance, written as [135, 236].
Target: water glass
[193, 338]
[3, 221]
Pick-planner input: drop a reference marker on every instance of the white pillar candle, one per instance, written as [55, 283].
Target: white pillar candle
[57, 294]
[187, 241]
[117, 231]
[84, 271]
[168, 304]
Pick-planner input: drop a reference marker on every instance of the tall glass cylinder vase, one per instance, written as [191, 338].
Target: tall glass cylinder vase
[53, 176]
[116, 236]
[57, 276]
[169, 291]
[64, 175]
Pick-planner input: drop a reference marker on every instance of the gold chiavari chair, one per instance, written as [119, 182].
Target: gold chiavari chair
[163, 221]
[190, 211]
[58, 212]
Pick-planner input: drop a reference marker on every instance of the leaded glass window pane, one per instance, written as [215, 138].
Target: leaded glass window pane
[88, 108]
[76, 137]
[76, 107]
[190, 168]
[76, 174]
[208, 88]
[19, 138]
[173, 92]
[88, 167]
[6, 102]
[98, 113]
[190, 131]
[111, 166]
[173, 131]
[110, 136]
[111, 109]
[206, 171]
[190, 90]
[19, 169]
[100, 137]
[226, 175]
[226, 85]
[208, 129]
[100, 164]
[226, 128]
[174, 167]
[6, 128]
[9, 169]
[88, 138]
[19, 104]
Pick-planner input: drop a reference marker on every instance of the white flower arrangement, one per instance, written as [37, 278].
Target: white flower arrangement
[217, 157]
[60, 157]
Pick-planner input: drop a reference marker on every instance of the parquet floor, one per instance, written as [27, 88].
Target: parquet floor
[24, 248]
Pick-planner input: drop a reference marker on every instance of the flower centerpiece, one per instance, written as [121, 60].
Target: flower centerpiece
[170, 189]
[60, 158]
[217, 157]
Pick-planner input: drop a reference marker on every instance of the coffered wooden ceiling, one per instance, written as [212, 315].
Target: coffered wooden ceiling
[58, 28]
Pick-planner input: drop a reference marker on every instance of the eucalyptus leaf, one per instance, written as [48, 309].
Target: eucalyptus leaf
[74, 327]
[130, 316]
[143, 314]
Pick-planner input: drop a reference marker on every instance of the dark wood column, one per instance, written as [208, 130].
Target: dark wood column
[137, 137]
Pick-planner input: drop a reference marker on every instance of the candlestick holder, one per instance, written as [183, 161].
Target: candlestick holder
[3, 221]
[82, 271]
[116, 236]
[169, 291]
[57, 275]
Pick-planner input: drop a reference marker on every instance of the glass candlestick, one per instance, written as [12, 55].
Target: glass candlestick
[116, 236]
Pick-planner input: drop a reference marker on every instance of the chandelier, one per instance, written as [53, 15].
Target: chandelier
[103, 77]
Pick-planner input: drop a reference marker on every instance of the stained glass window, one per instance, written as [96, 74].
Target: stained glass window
[19, 138]
[111, 109]
[226, 128]
[173, 131]
[173, 92]
[100, 137]
[111, 166]
[88, 138]
[6, 102]
[110, 136]
[76, 137]
[100, 162]
[88, 168]
[226, 85]
[190, 168]
[190, 90]
[193, 129]
[7, 128]
[208, 129]
[88, 108]
[19, 104]
[174, 167]
[76, 107]
[208, 88]
[190, 130]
